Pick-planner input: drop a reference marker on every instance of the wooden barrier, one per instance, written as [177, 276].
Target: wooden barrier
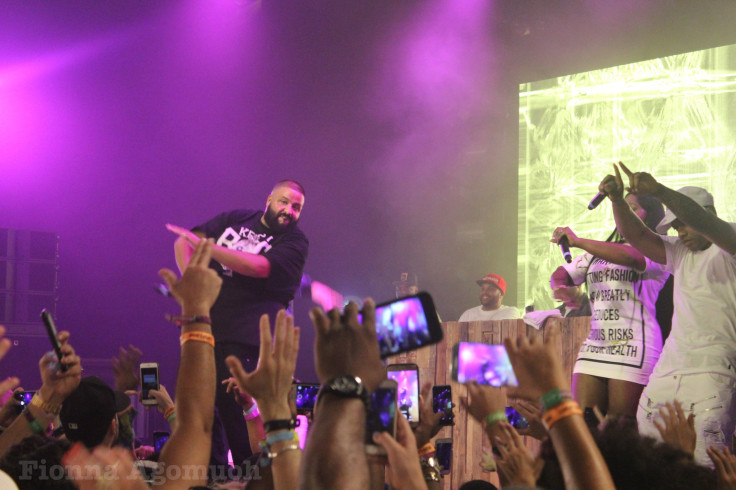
[434, 364]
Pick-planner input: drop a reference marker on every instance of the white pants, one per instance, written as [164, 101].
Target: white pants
[709, 396]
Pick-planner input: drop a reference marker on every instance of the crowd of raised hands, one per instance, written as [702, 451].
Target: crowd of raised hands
[334, 455]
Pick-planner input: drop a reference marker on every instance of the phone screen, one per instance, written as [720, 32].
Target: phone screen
[306, 396]
[516, 419]
[159, 439]
[381, 415]
[442, 401]
[407, 394]
[443, 448]
[407, 324]
[149, 380]
[485, 364]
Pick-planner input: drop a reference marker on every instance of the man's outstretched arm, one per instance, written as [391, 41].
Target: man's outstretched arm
[688, 211]
[245, 263]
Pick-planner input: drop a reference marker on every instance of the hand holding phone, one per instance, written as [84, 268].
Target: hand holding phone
[306, 397]
[482, 363]
[23, 398]
[407, 380]
[381, 415]
[48, 321]
[442, 402]
[149, 381]
[406, 324]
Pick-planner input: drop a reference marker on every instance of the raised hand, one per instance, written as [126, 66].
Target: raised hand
[517, 465]
[676, 429]
[57, 385]
[725, 463]
[125, 368]
[403, 470]
[190, 237]
[345, 346]
[537, 365]
[429, 420]
[198, 287]
[270, 383]
[639, 182]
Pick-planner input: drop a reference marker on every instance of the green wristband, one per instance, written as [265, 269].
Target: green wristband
[497, 416]
[553, 398]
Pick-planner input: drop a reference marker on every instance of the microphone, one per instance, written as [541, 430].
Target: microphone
[565, 247]
[597, 200]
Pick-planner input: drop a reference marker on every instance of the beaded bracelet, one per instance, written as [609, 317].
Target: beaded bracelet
[197, 336]
[559, 412]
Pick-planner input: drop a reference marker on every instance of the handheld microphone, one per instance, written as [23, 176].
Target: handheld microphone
[597, 200]
[565, 247]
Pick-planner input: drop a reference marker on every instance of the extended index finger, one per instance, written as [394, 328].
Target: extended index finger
[626, 170]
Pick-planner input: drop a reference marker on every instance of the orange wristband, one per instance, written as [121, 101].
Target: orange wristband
[559, 412]
[197, 336]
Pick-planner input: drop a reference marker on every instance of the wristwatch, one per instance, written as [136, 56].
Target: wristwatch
[346, 386]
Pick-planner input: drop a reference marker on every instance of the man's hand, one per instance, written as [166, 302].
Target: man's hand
[242, 398]
[199, 285]
[125, 368]
[530, 411]
[676, 429]
[192, 239]
[485, 400]
[639, 182]
[57, 385]
[270, 383]
[403, 470]
[537, 365]
[344, 346]
[429, 420]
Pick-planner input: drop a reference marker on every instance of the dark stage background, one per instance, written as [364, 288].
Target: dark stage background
[399, 117]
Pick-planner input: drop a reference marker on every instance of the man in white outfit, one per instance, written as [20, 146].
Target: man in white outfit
[697, 366]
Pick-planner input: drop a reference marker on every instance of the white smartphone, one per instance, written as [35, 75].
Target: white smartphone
[149, 381]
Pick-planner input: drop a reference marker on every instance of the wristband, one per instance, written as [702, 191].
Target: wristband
[169, 411]
[426, 449]
[186, 320]
[272, 439]
[559, 412]
[45, 406]
[197, 336]
[252, 412]
[282, 424]
[171, 417]
[33, 422]
[554, 397]
[495, 417]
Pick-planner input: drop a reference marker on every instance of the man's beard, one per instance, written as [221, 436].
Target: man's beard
[272, 221]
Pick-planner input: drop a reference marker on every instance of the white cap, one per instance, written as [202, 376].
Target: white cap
[697, 194]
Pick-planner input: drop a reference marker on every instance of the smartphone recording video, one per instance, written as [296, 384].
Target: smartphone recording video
[483, 363]
[381, 416]
[23, 398]
[306, 397]
[407, 324]
[517, 420]
[149, 381]
[407, 381]
[442, 402]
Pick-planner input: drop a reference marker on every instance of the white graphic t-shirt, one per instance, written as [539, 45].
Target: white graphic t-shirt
[625, 339]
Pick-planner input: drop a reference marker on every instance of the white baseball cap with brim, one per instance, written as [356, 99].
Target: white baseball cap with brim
[697, 194]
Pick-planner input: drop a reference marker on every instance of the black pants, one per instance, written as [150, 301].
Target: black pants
[229, 429]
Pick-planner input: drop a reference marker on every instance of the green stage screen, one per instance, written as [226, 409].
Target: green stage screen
[674, 117]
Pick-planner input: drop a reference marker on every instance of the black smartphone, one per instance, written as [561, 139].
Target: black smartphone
[483, 363]
[407, 380]
[381, 416]
[407, 324]
[159, 439]
[443, 452]
[149, 381]
[48, 321]
[23, 398]
[442, 402]
[516, 419]
[306, 396]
